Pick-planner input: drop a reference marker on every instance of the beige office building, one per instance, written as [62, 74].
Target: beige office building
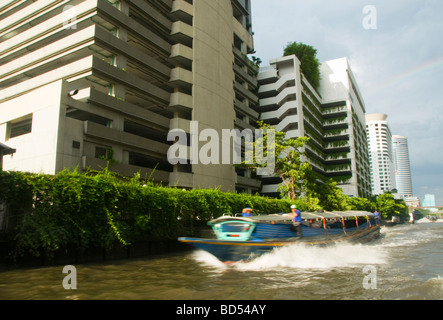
[83, 82]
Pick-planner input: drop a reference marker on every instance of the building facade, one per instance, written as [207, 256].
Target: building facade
[333, 117]
[429, 200]
[412, 202]
[338, 86]
[84, 83]
[403, 177]
[381, 155]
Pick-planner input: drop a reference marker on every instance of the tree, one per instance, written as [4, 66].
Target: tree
[388, 206]
[331, 197]
[308, 61]
[287, 155]
[362, 204]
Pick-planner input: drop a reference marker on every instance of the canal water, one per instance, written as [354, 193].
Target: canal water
[406, 263]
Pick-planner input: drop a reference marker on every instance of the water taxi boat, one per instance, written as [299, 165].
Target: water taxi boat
[237, 238]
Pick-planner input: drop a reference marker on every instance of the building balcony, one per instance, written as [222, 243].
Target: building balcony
[336, 136]
[288, 123]
[246, 182]
[107, 72]
[243, 31]
[182, 55]
[242, 107]
[78, 68]
[244, 59]
[273, 88]
[240, 124]
[181, 79]
[182, 32]
[52, 29]
[289, 108]
[50, 57]
[270, 188]
[335, 112]
[179, 123]
[113, 136]
[337, 123]
[148, 37]
[245, 92]
[17, 23]
[152, 119]
[86, 42]
[338, 169]
[287, 94]
[242, 73]
[293, 134]
[181, 102]
[338, 146]
[313, 152]
[183, 11]
[267, 75]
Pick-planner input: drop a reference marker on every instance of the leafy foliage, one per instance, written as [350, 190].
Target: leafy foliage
[78, 211]
[287, 156]
[388, 206]
[329, 195]
[308, 61]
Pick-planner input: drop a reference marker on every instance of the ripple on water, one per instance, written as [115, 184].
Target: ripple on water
[407, 262]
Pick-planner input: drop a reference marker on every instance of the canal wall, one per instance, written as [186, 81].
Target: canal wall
[72, 256]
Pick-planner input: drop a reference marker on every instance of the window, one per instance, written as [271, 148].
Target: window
[238, 43]
[103, 153]
[20, 126]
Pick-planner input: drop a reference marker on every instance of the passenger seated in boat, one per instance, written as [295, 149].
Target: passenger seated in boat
[334, 224]
[246, 212]
[316, 224]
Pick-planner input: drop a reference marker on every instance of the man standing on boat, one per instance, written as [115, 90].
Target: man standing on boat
[297, 221]
[377, 216]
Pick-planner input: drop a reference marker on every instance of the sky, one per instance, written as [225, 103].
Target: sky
[395, 50]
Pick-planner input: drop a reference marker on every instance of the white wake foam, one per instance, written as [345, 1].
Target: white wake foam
[305, 257]
[309, 257]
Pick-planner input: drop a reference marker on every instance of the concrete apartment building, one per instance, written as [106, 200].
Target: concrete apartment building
[86, 81]
[381, 154]
[403, 177]
[333, 117]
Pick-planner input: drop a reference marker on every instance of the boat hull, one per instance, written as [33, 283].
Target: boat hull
[233, 251]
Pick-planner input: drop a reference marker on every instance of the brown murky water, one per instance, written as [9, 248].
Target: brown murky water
[407, 263]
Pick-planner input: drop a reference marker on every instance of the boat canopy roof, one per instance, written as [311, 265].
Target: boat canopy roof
[281, 217]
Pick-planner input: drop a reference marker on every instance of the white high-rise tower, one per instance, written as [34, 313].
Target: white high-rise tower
[402, 166]
[381, 156]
